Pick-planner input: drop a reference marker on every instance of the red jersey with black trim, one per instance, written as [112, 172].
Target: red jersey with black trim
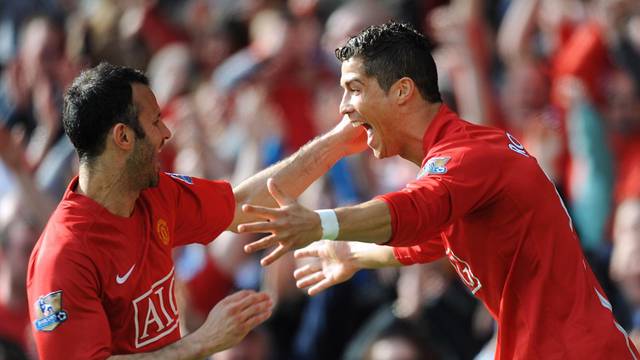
[481, 200]
[100, 284]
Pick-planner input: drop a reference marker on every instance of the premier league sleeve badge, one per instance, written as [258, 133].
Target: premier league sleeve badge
[434, 166]
[49, 312]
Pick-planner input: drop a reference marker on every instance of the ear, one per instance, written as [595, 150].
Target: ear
[122, 136]
[403, 90]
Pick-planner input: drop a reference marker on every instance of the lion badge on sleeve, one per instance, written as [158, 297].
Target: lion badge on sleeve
[49, 312]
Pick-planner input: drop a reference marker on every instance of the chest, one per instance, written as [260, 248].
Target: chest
[138, 284]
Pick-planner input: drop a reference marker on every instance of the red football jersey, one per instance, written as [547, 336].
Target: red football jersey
[481, 200]
[101, 284]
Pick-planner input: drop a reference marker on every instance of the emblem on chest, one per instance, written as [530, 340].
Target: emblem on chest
[162, 230]
[155, 312]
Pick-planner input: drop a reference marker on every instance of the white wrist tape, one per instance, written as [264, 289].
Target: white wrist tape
[329, 223]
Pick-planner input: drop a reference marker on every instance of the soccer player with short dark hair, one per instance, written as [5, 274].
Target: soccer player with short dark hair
[100, 280]
[479, 199]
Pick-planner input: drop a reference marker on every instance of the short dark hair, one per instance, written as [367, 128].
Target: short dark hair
[392, 51]
[98, 99]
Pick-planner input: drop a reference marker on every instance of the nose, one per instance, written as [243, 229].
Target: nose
[166, 133]
[345, 104]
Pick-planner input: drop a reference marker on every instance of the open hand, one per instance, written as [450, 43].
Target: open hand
[291, 225]
[332, 263]
[232, 319]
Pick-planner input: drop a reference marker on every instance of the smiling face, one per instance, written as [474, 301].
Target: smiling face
[368, 105]
[143, 164]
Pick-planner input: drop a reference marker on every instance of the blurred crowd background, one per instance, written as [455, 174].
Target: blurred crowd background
[243, 83]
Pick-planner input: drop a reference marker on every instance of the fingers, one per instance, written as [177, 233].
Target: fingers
[277, 194]
[310, 280]
[274, 255]
[246, 309]
[306, 270]
[261, 244]
[309, 251]
[257, 306]
[258, 319]
[257, 227]
[319, 287]
[261, 211]
[246, 302]
[237, 296]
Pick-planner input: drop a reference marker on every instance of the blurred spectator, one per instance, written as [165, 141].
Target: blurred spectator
[31, 88]
[401, 340]
[17, 238]
[625, 267]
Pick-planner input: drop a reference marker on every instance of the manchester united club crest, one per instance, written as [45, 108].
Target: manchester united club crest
[49, 312]
[434, 166]
[162, 229]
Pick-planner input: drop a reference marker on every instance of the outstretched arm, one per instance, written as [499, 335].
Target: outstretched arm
[297, 172]
[293, 226]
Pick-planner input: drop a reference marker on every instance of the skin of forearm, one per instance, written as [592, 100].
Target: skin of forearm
[369, 222]
[293, 175]
[372, 256]
[186, 348]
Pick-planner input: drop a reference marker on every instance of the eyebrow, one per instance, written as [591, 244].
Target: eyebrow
[351, 81]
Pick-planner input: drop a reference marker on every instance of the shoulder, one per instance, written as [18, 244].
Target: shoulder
[76, 234]
[61, 255]
[478, 155]
[171, 184]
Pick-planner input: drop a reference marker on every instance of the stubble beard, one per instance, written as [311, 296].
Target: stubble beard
[141, 166]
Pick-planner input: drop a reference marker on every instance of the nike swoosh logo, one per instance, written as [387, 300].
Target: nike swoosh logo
[121, 279]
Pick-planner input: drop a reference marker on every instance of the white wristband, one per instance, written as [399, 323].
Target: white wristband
[329, 223]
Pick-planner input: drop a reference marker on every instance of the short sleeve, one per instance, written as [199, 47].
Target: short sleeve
[67, 317]
[459, 183]
[203, 208]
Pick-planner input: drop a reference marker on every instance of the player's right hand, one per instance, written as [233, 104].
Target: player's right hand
[232, 319]
[332, 263]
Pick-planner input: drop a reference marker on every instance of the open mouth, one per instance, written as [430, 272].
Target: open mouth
[361, 123]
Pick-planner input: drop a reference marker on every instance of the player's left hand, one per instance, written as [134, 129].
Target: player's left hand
[332, 263]
[292, 226]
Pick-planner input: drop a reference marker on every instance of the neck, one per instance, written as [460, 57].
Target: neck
[108, 186]
[418, 119]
